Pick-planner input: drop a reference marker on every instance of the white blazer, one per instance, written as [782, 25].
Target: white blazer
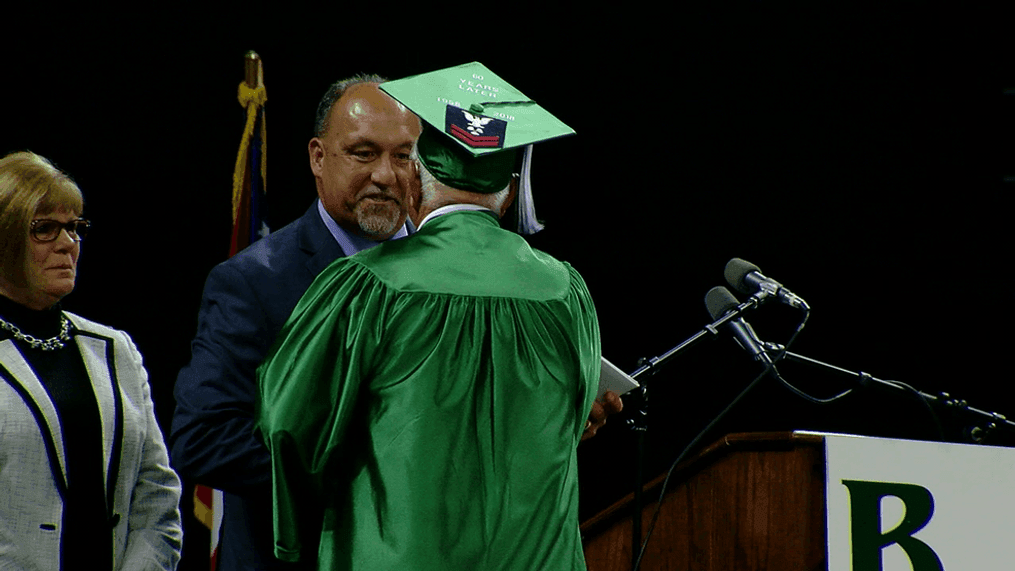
[33, 474]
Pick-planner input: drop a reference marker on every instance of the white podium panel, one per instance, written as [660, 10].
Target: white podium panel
[900, 505]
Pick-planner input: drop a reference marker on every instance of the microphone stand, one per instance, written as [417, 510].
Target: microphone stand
[981, 424]
[639, 425]
[639, 422]
[647, 366]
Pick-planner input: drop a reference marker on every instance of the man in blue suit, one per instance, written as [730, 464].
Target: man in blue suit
[360, 158]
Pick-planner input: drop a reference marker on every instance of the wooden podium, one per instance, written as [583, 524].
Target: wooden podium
[748, 502]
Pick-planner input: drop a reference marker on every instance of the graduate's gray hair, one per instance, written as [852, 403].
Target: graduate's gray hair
[428, 186]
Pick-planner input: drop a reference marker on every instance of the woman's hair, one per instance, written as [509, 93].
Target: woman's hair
[29, 185]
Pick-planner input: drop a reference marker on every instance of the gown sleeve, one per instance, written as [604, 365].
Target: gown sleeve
[308, 386]
[586, 336]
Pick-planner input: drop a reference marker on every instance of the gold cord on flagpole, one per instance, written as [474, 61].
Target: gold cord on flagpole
[252, 96]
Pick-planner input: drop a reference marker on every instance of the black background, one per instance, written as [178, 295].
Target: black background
[855, 154]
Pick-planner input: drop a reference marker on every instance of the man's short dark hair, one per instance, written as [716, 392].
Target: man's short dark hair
[335, 93]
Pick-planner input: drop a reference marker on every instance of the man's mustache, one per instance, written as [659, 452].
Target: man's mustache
[380, 194]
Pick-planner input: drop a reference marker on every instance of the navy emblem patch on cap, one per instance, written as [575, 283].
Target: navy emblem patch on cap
[473, 129]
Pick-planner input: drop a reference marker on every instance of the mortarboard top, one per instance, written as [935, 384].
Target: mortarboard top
[472, 120]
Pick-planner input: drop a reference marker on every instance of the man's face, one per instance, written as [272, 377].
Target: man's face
[362, 163]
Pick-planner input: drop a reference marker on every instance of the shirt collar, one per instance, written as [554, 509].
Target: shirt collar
[352, 243]
[452, 208]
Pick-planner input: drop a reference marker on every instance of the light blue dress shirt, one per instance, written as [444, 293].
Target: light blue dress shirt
[352, 243]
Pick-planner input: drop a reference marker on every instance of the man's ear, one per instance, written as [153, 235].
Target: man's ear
[316, 150]
[512, 194]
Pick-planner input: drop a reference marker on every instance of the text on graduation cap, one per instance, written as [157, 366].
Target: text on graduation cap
[476, 87]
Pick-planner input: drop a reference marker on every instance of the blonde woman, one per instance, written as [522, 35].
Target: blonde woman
[85, 481]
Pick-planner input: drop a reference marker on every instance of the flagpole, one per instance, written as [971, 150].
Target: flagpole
[254, 76]
[249, 176]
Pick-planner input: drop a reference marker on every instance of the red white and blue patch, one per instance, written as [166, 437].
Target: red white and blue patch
[473, 129]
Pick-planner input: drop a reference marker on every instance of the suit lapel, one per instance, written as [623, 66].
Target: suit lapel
[17, 372]
[315, 239]
[100, 363]
[321, 247]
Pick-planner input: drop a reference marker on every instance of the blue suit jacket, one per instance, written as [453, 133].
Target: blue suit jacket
[246, 301]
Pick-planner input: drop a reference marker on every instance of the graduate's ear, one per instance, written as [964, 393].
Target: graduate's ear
[414, 196]
[513, 185]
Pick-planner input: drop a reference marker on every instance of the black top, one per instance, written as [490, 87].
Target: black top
[86, 534]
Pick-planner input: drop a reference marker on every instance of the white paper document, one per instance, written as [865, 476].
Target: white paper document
[613, 379]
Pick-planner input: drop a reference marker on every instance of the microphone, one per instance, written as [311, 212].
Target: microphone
[745, 277]
[719, 302]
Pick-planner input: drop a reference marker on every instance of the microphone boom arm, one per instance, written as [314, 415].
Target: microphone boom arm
[982, 424]
[711, 329]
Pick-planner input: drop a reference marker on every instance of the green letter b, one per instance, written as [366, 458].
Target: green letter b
[869, 541]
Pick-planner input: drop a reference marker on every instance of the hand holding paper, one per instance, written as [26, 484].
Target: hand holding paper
[612, 383]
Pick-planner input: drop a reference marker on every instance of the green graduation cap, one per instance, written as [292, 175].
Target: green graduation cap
[474, 124]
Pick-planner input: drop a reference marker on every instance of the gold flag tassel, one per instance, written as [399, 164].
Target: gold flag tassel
[252, 95]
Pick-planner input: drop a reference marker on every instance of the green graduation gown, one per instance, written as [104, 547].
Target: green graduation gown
[423, 405]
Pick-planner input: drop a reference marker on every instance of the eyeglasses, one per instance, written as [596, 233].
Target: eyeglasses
[45, 230]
